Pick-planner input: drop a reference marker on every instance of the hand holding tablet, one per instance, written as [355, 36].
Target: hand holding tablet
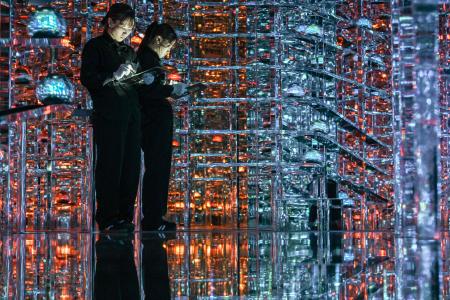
[194, 88]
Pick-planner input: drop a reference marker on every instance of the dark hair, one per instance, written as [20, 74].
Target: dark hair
[164, 30]
[118, 12]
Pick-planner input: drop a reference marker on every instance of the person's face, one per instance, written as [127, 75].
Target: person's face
[120, 30]
[162, 47]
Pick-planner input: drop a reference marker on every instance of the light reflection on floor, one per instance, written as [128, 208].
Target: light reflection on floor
[223, 265]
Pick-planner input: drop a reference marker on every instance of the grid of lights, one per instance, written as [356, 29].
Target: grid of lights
[297, 112]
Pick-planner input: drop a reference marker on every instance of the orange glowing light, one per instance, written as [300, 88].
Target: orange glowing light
[217, 139]
[179, 250]
[174, 76]
[65, 294]
[136, 39]
[65, 42]
[63, 251]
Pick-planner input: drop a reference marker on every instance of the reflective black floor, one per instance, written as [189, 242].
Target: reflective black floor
[223, 265]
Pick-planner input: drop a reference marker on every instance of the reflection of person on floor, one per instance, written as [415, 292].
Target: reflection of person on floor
[115, 272]
[155, 270]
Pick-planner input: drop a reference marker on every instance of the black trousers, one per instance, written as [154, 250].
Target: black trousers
[155, 270]
[117, 167]
[157, 132]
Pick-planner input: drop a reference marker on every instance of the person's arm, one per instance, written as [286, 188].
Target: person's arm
[90, 75]
[157, 89]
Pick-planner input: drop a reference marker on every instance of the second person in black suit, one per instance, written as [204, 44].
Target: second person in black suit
[157, 126]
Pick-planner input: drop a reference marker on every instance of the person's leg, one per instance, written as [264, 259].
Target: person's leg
[109, 139]
[130, 169]
[157, 147]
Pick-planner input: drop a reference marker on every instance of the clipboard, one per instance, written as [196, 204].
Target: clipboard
[138, 77]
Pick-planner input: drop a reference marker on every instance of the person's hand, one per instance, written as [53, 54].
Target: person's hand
[123, 71]
[179, 89]
[148, 78]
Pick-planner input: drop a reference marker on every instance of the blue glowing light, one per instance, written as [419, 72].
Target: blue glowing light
[46, 23]
[55, 89]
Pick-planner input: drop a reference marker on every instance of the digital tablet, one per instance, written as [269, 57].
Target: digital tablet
[138, 77]
[194, 88]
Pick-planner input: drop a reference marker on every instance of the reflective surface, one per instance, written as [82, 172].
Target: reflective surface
[223, 264]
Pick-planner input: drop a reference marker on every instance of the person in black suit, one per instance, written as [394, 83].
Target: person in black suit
[157, 126]
[106, 60]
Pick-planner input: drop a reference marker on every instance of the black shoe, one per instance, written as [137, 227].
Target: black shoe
[118, 226]
[111, 246]
[148, 227]
[167, 226]
[128, 226]
[162, 226]
[159, 235]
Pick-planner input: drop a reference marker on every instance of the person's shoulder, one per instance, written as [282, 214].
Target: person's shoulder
[94, 44]
[145, 53]
[97, 40]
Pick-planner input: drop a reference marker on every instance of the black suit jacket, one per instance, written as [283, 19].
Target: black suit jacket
[101, 57]
[158, 90]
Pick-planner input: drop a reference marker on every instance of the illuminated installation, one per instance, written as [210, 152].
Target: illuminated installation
[46, 23]
[308, 123]
[55, 89]
[297, 111]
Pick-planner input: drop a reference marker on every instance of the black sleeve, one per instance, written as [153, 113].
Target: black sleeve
[90, 75]
[157, 88]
